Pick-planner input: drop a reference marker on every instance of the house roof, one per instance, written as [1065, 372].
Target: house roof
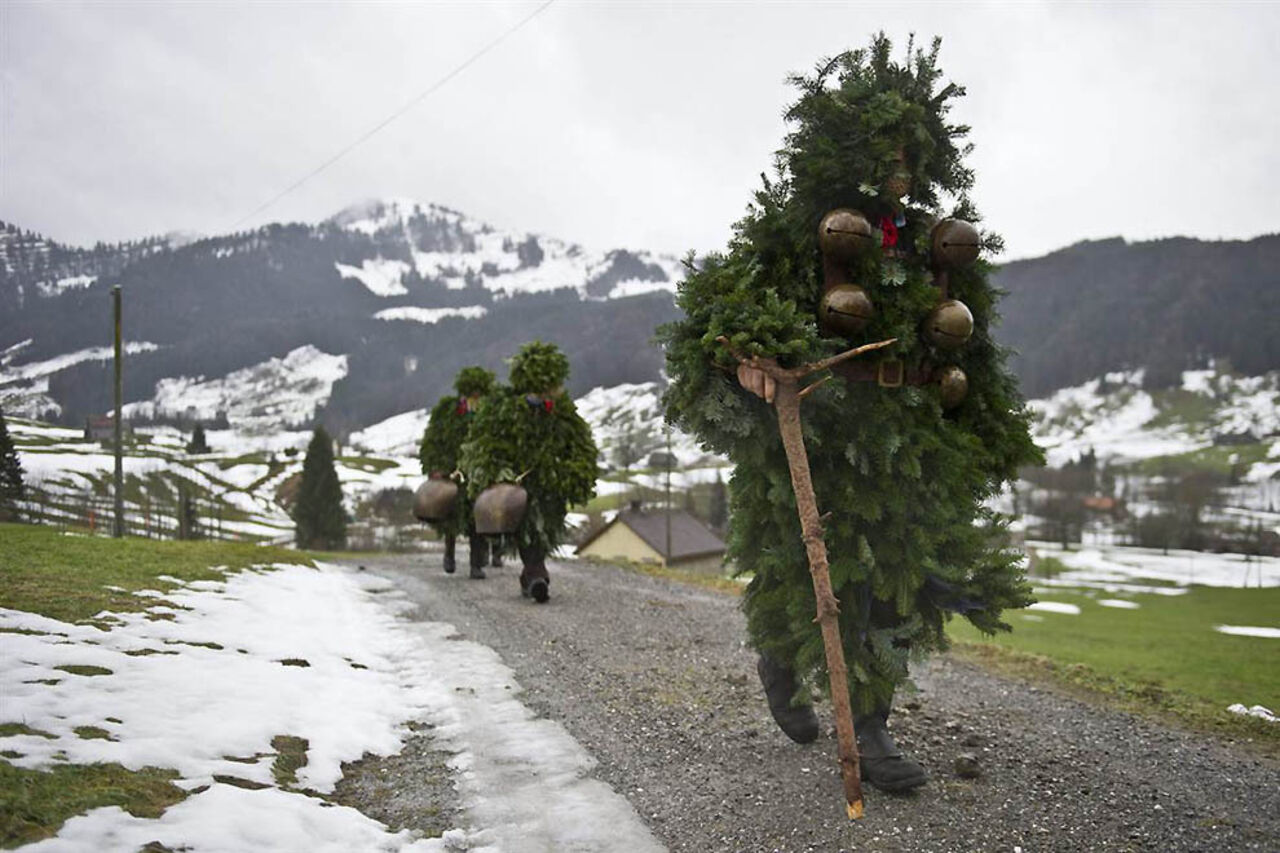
[690, 538]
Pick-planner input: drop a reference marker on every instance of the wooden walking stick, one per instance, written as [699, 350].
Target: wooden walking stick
[781, 387]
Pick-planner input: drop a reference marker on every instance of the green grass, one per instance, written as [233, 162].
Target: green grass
[34, 804]
[291, 756]
[1177, 406]
[66, 577]
[1164, 658]
[1211, 459]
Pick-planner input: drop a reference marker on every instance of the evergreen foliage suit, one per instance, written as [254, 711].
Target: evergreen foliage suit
[532, 431]
[904, 481]
[447, 429]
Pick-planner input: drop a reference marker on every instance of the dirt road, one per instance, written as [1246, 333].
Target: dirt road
[653, 679]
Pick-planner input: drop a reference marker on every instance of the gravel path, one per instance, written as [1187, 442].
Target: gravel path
[653, 679]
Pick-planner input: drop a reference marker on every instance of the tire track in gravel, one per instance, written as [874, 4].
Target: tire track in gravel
[652, 677]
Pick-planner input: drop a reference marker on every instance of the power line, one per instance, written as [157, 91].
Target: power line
[413, 102]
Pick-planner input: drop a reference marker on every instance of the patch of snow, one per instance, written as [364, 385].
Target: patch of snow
[50, 366]
[399, 435]
[72, 282]
[1101, 565]
[637, 287]
[1248, 631]
[524, 781]
[1055, 607]
[263, 398]
[379, 275]
[1260, 711]
[431, 315]
[1119, 603]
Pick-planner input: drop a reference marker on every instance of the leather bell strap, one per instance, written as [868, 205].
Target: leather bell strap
[888, 373]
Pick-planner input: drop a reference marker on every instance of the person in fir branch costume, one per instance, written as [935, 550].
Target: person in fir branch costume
[847, 245]
[532, 432]
[442, 440]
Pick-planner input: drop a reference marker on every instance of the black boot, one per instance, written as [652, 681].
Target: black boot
[479, 556]
[883, 764]
[535, 583]
[450, 562]
[798, 722]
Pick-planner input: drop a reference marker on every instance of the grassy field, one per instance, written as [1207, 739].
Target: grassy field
[1163, 658]
[70, 578]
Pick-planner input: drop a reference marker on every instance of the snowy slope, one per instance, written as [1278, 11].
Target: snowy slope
[275, 394]
[448, 246]
[1116, 418]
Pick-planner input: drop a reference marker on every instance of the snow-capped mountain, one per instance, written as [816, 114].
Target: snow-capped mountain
[368, 313]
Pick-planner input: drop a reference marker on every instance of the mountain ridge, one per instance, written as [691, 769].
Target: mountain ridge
[407, 293]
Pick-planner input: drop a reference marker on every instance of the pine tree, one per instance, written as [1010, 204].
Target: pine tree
[904, 479]
[198, 444]
[12, 489]
[318, 515]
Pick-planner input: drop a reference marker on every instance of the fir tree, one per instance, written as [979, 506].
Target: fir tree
[909, 539]
[321, 522]
[198, 444]
[12, 489]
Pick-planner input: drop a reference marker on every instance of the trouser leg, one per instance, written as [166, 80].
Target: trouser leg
[479, 555]
[534, 580]
[450, 561]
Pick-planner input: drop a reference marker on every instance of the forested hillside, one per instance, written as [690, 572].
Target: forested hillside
[1166, 305]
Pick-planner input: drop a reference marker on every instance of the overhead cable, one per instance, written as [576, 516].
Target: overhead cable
[410, 104]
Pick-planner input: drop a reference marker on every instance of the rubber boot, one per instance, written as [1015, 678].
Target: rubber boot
[798, 722]
[450, 560]
[479, 556]
[535, 583]
[883, 764]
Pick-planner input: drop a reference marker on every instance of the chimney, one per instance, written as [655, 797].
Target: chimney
[635, 504]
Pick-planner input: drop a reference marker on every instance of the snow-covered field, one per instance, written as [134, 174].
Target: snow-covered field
[1113, 417]
[227, 660]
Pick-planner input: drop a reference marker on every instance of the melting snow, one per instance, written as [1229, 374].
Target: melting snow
[431, 315]
[1113, 569]
[1260, 711]
[71, 282]
[1248, 631]
[381, 276]
[1055, 607]
[523, 780]
[1119, 603]
[39, 369]
[264, 397]
[399, 435]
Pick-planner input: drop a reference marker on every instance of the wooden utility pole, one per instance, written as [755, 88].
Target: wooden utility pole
[118, 528]
[781, 387]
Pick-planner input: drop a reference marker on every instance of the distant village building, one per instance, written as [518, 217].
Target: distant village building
[641, 535]
[103, 429]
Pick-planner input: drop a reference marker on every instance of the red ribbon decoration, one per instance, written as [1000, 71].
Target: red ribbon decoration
[889, 233]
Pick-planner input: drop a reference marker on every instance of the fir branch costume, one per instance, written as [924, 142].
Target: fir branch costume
[532, 431]
[903, 479]
[442, 440]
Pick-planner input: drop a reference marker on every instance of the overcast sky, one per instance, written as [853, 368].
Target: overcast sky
[642, 125]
